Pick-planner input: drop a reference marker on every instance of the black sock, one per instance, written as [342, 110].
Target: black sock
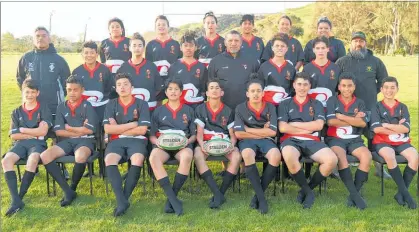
[346, 176]
[228, 178]
[168, 190]
[26, 182]
[360, 178]
[307, 171]
[114, 177]
[11, 180]
[316, 179]
[398, 178]
[53, 169]
[209, 179]
[253, 176]
[408, 175]
[178, 182]
[268, 175]
[131, 181]
[301, 181]
[78, 172]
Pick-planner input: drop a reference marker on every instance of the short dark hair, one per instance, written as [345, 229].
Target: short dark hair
[74, 80]
[210, 14]
[175, 81]
[119, 76]
[302, 75]
[118, 20]
[255, 79]
[285, 17]
[41, 28]
[31, 84]
[347, 76]
[321, 39]
[248, 17]
[280, 37]
[90, 44]
[324, 19]
[390, 79]
[214, 80]
[137, 36]
[162, 17]
[188, 37]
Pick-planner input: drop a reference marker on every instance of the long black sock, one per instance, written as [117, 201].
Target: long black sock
[308, 195]
[398, 178]
[317, 179]
[346, 176]
[168, 190]
[228, 178]
[307, 171]
[408, 175]
[53, 169]
[131, 181]
[26, 182]
[360, 178]
[114, 177]
[267, 177]
[218, 196]
[177, 185]
[11, 180]
[78, 172]
[253, 176]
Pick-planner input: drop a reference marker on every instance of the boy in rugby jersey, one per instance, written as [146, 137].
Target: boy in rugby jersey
[126, 121]
[75, 126]
[29, 127]
[255, 126]
[215, 120]
[390, 122]
[300, 121]
[173, 117]
[346, 118]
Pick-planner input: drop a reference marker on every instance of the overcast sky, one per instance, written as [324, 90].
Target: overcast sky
[70, 18]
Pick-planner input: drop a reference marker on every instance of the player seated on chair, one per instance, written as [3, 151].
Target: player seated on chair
[126, 121]
[29, 127]
[255, 126]
[172, 118]
[75, 126]
[300, 121]
[346, 119]
[215, 120]
[390, 122]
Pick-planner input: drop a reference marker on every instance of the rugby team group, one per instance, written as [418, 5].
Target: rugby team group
[276, 101]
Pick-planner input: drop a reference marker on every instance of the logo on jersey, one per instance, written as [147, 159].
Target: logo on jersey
[288, 75]
[257, 46]
[369, 69]
[311, 111]
[223, 121]
[332, 75]
[51, 67]
[185, 119]
[293, 48]
[100, 77]
[220, 48]
[148, 73]
[172, 49]
[135, 114]
[198, 73]
[125, 47]
[31, 67]
[244, 66]
[356, 111]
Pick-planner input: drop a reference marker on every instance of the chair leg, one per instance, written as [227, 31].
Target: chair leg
[48, 190]
[144, 188]
[282, 179]
[18, 172]
[54, 188]
[325, 185]
[90, 169]
[382, 179]
[239, 175]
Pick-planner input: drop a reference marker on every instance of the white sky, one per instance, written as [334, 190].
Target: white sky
[69, 19]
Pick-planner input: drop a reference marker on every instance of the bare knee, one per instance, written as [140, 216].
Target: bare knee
[32, 162]
[186, 156]
[248, 156]
[137, 160]
[7, 163]
[112, 159]
[274, 157]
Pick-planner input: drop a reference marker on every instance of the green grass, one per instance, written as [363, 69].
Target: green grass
[329, 212]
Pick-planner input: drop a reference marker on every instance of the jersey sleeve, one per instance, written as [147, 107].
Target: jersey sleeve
[148, 52]
[154, 122]
[59, 119]
[267, 52]
[375, 118]
[144, 119]
[362, 108]
[230, 121]
[283, 112]
[91, 120]
[330, 109]
[273, 120]
[319, 110]
[46, 116]
[21, 73]
[238, 121]
[14, 124]
[199, 116]
[109, 112]
[158, 81]
[406, 116]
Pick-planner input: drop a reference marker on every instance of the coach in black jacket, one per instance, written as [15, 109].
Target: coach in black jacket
[49, 69]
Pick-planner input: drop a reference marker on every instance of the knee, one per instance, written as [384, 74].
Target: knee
[6, 162]
[81, 158]
[275, 158]
[111, 159]
[366, 158]
[236, 157]
[154, 158]
[332, 159]
[198, 155]
[33, 160]
[247, 154]
[45, 157]
[186, 156]
[137, 160]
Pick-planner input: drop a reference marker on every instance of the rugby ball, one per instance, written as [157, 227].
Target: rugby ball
[172, 141]
[218, 147]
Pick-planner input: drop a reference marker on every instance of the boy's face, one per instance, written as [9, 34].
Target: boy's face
[89, 55]
[136, 47]
[214, 91]
[188, 49]
[30, 95]
[254, 93]
[74, 91]
[123, 87]
[346, 87]
[173, 92]
[389, 89]
[301, 87]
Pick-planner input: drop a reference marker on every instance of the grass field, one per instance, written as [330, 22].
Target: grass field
[329, 212]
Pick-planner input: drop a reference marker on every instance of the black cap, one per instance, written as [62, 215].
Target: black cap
[359, 34]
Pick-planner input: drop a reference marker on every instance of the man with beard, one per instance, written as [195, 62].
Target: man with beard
[369, 73]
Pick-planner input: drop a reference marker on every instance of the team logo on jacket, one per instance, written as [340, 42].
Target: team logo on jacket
[332, 75]
[369, 69]
[311, 111]
[185, 119]
[148, 73]
[293, 48]
[220, 48]
[31, 67]
[172, 49]
[245, 66]
[198, 73]
[135, 114]
[51, 67]
[100, 77]
[258, 46]
[223, 121]
[288, 75]
[125, 47]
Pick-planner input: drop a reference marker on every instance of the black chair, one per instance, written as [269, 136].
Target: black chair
[23, 162]
[400, 160]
